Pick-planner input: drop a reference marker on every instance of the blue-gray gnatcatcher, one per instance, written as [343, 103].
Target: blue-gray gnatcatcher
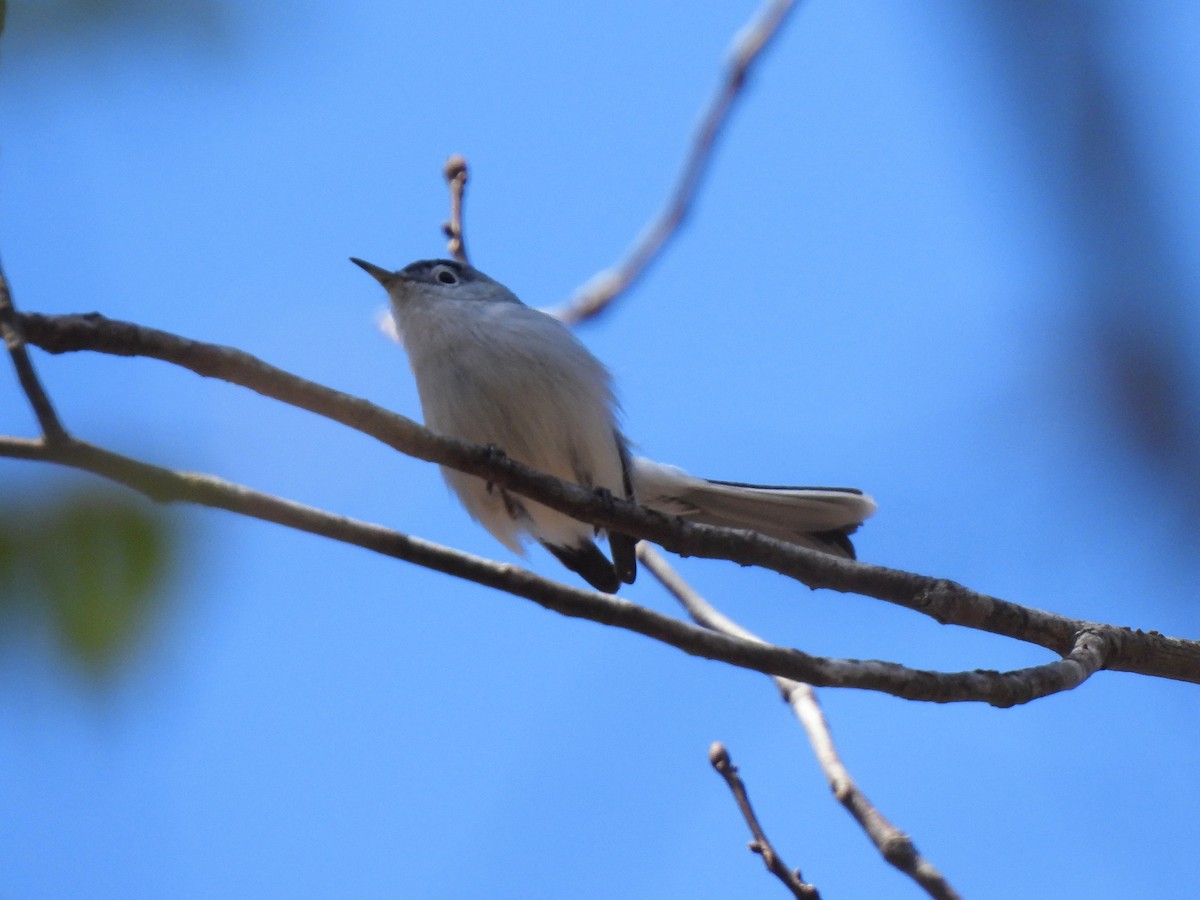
[491, 370]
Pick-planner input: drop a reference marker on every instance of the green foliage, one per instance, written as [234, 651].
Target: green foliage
[91, 565]
[7, 552]
[63, 23]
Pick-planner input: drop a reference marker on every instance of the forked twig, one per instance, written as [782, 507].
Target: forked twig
[896, 846]
[719, 757]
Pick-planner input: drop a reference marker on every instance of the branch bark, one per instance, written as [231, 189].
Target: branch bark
[1084, 644]
[166, 485]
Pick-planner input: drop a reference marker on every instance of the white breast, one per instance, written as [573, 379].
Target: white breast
[516, 378]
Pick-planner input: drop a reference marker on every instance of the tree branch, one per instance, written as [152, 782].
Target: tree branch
[791, 878]
[166, 485]
[604, 287]
[455, 173]
[1083, 643]
[896, 846]
[14, 339]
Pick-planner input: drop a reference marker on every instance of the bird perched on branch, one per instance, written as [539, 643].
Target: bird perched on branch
[493, 371]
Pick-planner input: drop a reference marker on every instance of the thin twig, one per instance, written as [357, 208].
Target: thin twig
[896, 846]
[455, 173]
[604, 287]
[791, 878]
[1084, 645]
[14, 339]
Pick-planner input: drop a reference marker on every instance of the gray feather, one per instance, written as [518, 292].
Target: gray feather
[820, 518]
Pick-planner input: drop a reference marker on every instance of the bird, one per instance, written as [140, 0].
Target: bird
[493, 371]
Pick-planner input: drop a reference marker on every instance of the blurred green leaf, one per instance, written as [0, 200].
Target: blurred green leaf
[7, 548]
[99, 558]
[64, 22]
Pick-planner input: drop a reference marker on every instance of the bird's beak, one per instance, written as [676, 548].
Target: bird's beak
[383, 276]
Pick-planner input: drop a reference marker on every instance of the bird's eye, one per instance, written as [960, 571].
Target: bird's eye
[445, 276]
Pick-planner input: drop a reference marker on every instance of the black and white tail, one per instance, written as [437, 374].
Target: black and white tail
[820, 518]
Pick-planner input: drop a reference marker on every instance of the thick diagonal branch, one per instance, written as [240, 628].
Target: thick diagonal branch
[165, 485]
[1147, 653]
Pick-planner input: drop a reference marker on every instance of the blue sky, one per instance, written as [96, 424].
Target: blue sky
[890, 281]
